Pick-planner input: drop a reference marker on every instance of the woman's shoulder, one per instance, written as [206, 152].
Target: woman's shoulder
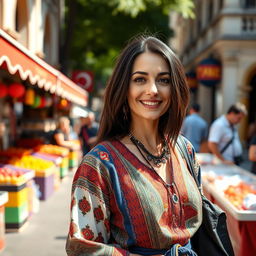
[182, 141]
[100, 153]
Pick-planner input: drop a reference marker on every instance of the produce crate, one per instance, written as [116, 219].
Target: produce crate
[16, 217]
[45, 180]
[73, 159]
[57, 160]
[3, 200]
[17, 207]
[64, 167]
[241, 222]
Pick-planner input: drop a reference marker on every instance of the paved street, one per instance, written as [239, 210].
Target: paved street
[45, 234]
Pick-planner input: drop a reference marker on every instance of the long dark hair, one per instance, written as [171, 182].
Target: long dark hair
[115, 118]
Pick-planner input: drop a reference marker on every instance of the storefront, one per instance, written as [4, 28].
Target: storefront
[33, 93]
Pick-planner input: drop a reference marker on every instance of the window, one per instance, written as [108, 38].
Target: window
[21, 22]
[220, 4]
[210, 11]
[199, 18]
[250, 3]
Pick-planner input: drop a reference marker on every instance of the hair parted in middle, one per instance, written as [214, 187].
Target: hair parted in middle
[115, 118]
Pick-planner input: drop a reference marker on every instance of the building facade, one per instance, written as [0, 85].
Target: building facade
[35, 24]
[30, 33]
[226, 31]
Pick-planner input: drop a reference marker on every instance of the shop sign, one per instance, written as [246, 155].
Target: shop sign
[208, 72]
[192, 81]
[84, 79]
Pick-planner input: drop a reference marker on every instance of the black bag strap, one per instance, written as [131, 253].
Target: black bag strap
[229, 142]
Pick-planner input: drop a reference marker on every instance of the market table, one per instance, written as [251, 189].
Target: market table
[241, 223]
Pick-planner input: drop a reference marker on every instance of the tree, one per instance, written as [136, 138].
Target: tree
[96, 30]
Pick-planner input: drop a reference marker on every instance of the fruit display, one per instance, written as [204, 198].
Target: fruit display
[9, 175]
[15, 152]
[52, 149]
[29, 143]
[238, 195]
[239, 189]
[33, 163]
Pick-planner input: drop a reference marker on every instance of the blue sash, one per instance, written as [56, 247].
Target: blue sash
[175, 250]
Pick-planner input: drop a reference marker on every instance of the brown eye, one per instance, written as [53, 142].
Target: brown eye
[164, 81]
[139, 80]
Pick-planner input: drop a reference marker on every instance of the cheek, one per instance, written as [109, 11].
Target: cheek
[132, 94]
[167, 95]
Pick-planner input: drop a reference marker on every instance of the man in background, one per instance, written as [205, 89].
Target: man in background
[224, 141]
[88, 132]
[194, 127]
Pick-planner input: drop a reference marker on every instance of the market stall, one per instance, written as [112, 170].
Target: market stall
[15, 181]
[3, 201]
[234, 190]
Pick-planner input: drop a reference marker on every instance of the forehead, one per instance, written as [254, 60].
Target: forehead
[147, 61]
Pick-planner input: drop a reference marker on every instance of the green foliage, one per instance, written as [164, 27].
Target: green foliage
[102, 27]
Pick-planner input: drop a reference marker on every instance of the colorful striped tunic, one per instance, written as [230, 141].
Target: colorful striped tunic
[118, 203]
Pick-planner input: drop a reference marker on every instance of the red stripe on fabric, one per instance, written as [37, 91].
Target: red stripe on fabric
[187, 211]
[132, 199]
[94, 176]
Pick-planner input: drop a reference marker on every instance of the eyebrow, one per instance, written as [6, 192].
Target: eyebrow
[145, 73]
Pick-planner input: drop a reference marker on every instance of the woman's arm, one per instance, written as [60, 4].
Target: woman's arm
[89, 231]
[59, 138]
[252, 153]
[214, 150]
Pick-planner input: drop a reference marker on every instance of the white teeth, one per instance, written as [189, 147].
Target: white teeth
[151, 103]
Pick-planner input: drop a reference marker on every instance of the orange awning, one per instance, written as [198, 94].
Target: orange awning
[20, 60]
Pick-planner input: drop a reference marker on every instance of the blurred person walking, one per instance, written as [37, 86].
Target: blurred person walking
[88, 132]
[224, 141]
[194, 127]
[62, 136]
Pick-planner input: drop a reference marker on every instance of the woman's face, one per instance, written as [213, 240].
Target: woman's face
[149, 88]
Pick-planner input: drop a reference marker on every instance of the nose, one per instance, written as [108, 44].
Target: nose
[152, 88]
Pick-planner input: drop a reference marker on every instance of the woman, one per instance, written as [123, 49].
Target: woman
[252, 154]
[133, 194]
[61, 136]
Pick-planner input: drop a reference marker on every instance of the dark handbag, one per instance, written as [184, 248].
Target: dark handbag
[238, 160]
[212, 238]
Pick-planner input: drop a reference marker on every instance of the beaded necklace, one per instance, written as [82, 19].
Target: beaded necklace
[164, 157]
[156, 160]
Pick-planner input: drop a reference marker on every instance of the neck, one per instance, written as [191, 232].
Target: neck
[148, 135]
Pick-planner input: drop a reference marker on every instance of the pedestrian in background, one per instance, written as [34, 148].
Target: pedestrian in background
[194, 127]
[88, 132]
[62, 136]
[133, 193]
[224, 141]
[252, 152]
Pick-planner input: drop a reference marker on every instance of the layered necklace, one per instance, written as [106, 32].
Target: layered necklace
[156, 160]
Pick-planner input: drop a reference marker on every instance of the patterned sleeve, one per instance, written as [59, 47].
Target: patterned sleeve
[192, 155]
[89, 230]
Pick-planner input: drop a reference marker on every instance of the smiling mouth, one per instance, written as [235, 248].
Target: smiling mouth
[150, 103]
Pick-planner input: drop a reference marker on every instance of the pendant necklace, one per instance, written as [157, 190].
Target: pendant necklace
[157, 160]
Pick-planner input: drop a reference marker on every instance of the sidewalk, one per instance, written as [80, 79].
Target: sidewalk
[45, 233]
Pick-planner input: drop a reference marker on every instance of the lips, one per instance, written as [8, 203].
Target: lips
[151, 103]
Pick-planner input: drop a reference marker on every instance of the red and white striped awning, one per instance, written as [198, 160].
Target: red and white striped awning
[17, 59]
